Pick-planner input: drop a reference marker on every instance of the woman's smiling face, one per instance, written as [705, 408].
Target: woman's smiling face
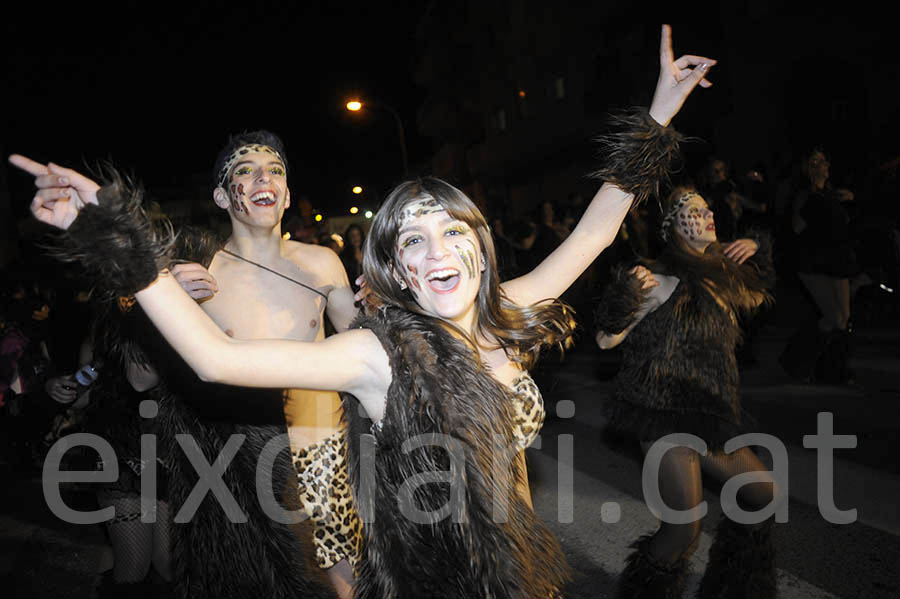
[439, 259]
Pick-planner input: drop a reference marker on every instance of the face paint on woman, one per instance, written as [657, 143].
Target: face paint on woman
[466, 253]
[419, 208]
[414, 279]
[690, 223]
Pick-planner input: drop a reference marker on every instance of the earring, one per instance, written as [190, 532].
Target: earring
[483, 263]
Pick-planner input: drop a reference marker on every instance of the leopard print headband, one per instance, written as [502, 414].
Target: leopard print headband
[673, 212]
[239, 152]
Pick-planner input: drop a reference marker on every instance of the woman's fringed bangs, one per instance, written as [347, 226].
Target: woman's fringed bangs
[639, 155]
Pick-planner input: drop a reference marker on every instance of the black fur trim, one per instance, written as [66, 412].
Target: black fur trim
[741, 563]
[645, 577]
[213, 557]
[194, 244]
[648, 424]
[639, 154]
[439, 388]
[622, 298]
[121, 250]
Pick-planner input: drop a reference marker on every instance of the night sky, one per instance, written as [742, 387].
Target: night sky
[158, 88]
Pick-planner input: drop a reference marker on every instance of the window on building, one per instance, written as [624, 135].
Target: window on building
[559, 88]
[499, 119]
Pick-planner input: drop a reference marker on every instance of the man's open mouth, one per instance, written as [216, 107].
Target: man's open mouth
[263, 198]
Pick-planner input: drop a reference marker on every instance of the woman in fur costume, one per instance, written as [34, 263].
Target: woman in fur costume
[437, 396]
[679, 375]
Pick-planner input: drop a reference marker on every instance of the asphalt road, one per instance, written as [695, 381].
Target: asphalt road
[599, 510]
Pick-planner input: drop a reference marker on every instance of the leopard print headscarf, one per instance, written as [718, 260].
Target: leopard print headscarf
[225, 171]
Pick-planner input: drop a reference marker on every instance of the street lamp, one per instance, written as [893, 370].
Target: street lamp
[357, 190]
[357, 105]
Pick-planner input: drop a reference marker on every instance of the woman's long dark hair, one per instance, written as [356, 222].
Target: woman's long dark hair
[520, 330]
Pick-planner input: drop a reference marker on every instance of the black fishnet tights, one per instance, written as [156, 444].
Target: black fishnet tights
[137, 545]
[681, 488]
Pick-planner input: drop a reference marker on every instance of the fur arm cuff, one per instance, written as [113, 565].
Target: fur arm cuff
[622, 298]
[121, 250]
[639, 153]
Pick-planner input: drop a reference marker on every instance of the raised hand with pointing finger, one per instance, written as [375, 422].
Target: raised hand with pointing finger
[62, 192]
[677, 79]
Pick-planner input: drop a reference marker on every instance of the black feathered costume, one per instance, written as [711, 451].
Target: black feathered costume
[212, 556]
[679, 375]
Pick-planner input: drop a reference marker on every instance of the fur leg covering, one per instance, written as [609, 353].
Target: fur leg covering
[120, 248]
[645, 577]
[622, 298]
[639, 154]
[741, 563]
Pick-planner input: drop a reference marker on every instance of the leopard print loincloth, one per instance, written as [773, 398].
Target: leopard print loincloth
[324, 490]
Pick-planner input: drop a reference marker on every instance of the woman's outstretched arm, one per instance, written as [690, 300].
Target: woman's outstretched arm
[628, 298]
[354, 361]
[344, 362]
[600, 223]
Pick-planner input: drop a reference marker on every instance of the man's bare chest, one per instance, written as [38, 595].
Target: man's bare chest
[255, 304]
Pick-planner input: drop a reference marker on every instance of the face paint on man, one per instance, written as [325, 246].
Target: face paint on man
[466, 253]
[237, 198]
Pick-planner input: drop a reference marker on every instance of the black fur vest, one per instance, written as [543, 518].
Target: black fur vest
[445, 420]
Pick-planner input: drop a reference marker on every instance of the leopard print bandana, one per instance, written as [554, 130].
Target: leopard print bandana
[243, 151]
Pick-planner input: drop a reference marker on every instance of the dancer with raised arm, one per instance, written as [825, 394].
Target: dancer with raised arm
[679, 375]
[437, 377]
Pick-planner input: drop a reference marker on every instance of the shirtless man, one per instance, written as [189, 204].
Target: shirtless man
[251, 302]
[261, 286]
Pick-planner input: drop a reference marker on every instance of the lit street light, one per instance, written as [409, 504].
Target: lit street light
[354, 210]
[356, 106]
[357, 190]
